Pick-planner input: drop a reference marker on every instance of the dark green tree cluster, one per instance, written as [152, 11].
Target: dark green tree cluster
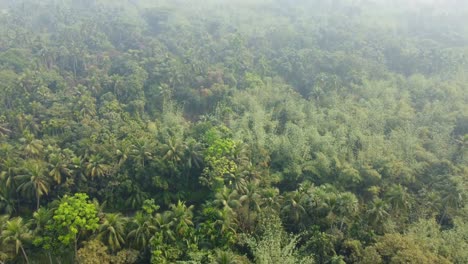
[264, 131]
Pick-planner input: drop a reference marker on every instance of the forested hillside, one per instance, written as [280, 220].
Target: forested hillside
[247, 131]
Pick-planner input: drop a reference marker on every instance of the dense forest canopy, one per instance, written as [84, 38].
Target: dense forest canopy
[247, 131]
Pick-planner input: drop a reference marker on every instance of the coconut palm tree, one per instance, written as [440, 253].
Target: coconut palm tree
[141, 231]
[58, 167]
[4, 130]
[346, 207]
[6, 201]
[398, 198]
[141, 151]
[377, 212]
[136, 197]
[41, 218]
[173, 151]
[271, 199]
[193, 154]
[96, 166]
[16, 232]
[34, 181]
[78, 166]
[225, 257]
[294, 207]
[251, 201]
[165, 223]
[237, 182]
[8, 172]
[29, 124]
[181, 217]
[112, 231]
[8, 188]
[31, 147]
[122, 151]
[227, 199]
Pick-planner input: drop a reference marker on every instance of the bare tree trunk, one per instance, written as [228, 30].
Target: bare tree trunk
[24, 254]
[76, 249]
[443, 215]
[38, 200]
[74, 66]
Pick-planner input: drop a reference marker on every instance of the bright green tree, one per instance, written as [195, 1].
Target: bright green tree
[74, 216]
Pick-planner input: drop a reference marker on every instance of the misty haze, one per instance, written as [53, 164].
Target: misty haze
[233, 131]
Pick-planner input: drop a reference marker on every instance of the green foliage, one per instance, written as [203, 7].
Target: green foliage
[274, 245]
[219, 159]
[94, 252]
[149, 207]
[14, 234]
[161, 131]
[74, 216]
[395, 248]
[111, 231]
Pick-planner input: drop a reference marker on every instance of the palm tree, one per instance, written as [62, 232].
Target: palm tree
[122, 151]
[347, 207]
[181, 217]
[240, 155]
[193, 153]
[3, 221]
[251, 200]
[8, 183]
[226, 257]
[112, 231]
[4, 130]
[398, 197]
[29, 124]
[293, 207]
[271, 199]
[34, 180]
[251, 173]
[166, 93]
[164, 223]
[453, 194]
[7, 172]
[136, 197]
[141, 151]
[96, 166]
[173, 151]
[17, 232]
[41, 218]
[6, 201]
[58, 167]
[377, 212]
[227, 199]
[141, 231]
[31, 147]
[237, 181]
[78, 166]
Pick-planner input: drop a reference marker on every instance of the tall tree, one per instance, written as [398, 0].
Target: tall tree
[141, 229]
[112, 231]
[74, 216]
[251, 201]
[96, 166]
[16, 232]
[34, 180]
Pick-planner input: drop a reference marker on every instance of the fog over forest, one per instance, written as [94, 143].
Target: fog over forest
[234, 131]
